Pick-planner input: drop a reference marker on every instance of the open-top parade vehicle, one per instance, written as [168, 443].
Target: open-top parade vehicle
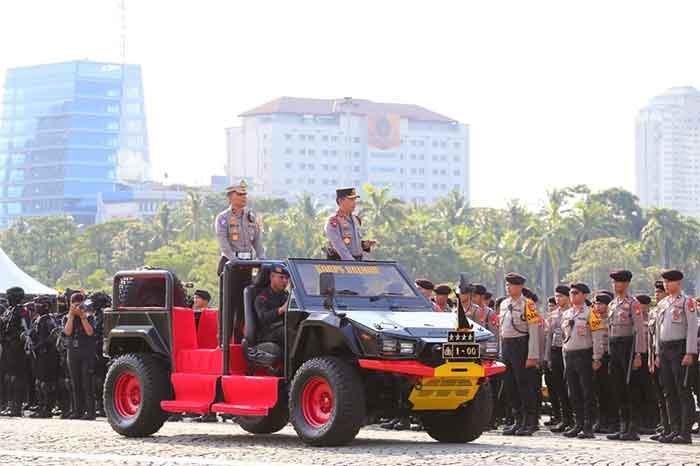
[361, 344]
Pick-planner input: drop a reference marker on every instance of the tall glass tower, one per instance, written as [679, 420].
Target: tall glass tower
[69, 131]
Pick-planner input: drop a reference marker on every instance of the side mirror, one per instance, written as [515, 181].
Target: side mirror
[326, 283]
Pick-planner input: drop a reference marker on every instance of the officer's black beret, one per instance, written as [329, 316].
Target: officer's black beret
[602, 298]
[582, 287]
[527, 292]
[479, 289]
[346, 192]
[443, 289]
[588, 302]
[425, 284]
[621, 275]
[15, 291]
[643, 299]
[607, 293]
[552, 300]
[280, 268]
[672, 275]
[659, 285]
[204, 294]
[562, 289]
[515, 278]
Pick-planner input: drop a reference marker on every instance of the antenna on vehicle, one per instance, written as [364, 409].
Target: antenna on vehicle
[326, 286]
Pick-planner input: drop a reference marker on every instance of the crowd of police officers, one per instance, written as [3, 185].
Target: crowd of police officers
[51, 360]
[612, 362]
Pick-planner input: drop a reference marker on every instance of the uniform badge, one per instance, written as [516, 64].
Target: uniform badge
[333, 221]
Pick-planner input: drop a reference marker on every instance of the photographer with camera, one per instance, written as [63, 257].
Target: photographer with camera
[13, 327]
[80, 332]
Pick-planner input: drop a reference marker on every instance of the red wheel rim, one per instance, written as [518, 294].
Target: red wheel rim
[317, 402]
[127, 395]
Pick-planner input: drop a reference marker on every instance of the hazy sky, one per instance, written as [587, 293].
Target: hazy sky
[549, 88]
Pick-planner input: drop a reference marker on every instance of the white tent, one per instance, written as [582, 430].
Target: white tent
[11, 275]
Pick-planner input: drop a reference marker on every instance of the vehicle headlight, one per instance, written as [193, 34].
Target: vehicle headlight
[395, 346]
[489, 348]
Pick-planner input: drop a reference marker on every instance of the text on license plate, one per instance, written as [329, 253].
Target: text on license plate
[460, 351]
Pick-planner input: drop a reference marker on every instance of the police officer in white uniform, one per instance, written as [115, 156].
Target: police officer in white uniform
[676, 351]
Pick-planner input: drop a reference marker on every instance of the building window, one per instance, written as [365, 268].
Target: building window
[287, 136]
[288, 150]
[310, 137]
[421, 171]
[310, 152]
[456, 145]
[356, 140]
[421, 157]
[357, 155]
[456, 158]
[443, 172]
[356, 168]
[325, 152]
[435, 172]
[324, 138]
[334, 139]
[302, 151]
[302, 137]
[288, 165]
[310, 166]
[456, 173]
[288, 181]
[435, 158]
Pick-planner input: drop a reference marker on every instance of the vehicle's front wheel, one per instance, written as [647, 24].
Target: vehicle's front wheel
[463, 425]
[134, 387]
[327, 402]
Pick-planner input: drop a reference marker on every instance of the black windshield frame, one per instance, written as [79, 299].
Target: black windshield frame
[415, 302]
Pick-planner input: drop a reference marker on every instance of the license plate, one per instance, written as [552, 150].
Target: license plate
[460, 345]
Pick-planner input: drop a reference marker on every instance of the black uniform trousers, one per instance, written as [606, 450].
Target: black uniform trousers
[519, 381]
[556, 383]
[677, 392]
[81, 364]
[607, 410]
[241, 278]
[624, 395]
[579, 378]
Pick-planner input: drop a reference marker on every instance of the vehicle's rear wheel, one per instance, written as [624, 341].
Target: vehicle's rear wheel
[327, 402]
[465, 424]
[276, 419]
[134, 387]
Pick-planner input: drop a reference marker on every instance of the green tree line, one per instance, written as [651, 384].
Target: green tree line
[576, 235]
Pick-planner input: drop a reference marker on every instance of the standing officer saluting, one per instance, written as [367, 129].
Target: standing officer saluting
[344, 229]
[583, 350]
[627, 338]
[237, 228]
[676, 350]
[519, 327]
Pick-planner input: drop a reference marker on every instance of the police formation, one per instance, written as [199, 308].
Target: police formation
[612, 363]
[51, 359]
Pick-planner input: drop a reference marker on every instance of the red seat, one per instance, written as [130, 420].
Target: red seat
[236, 361]
[194, 393]
[247, 395]
[208, 329]
[200, 361]
[184, 332]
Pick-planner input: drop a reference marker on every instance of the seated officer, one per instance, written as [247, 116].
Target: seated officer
[270, 307]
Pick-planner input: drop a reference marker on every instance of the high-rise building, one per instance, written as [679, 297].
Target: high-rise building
[668, 151]
[294, 145]
[69, 131]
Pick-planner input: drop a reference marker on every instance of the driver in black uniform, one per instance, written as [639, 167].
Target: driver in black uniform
[270, 307]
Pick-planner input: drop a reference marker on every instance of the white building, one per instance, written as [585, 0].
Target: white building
[668, 151]
[135, 202]
[292, 145]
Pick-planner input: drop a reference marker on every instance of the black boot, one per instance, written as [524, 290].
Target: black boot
[563, 426]
[668, 438]
[587, 432]
[529, 427]
[631, 435]
[574, 431]
[512, 429]
[619, 433]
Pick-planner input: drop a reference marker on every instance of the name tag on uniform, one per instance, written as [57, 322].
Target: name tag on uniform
[244, 255]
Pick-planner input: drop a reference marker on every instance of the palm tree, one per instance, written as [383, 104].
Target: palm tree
[194, 219]
[381, 208]
[544, 245]
[163, 228]
[453, 209]
[660, 233]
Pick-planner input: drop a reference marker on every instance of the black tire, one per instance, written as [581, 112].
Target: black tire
[347, 410]
[154, 383]
[465, 424]
[276, 419]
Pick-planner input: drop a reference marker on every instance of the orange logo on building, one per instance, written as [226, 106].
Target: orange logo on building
[383, 131]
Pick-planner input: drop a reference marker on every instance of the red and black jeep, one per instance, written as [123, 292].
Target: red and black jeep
[361, 344]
